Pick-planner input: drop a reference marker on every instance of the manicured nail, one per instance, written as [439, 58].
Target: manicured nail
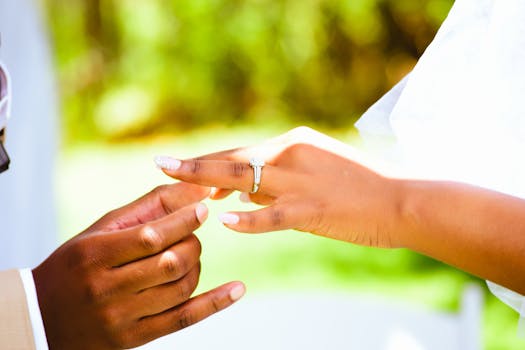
[201, 210]
[237, 292]
[167, 163]
[229, 219]
[245, 197]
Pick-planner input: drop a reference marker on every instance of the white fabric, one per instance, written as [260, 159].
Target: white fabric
[28, 229]
[460, 114]
[5, 96]
[35, 316]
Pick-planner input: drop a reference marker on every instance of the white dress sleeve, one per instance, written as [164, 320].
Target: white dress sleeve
[466, 89]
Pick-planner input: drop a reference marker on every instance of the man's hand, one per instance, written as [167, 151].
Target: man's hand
[128, 279]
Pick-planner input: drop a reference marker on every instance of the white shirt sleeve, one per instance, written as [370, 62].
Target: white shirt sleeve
[35, 316]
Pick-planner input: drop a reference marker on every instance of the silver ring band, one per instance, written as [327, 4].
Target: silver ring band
[257, 164]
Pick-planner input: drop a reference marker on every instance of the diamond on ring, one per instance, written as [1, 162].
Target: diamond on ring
[257, 164]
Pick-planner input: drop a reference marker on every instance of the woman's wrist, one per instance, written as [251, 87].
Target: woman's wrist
[420, 215]
[406, 203]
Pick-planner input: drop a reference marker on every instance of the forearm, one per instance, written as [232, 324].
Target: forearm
[476, 230]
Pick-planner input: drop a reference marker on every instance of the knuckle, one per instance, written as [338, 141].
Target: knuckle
[194, 280]
[81, 253]
[238, 169]
[277, 217]
[171, 263]
[160, 190]
[296, 152]
[95, 292]
[196, 244]
[75, 253]
[296, 149]
[189, 222]
[138, 274]
[195, 166]
[150, 239]
[216, 304]
[252, 221]
[160, 193]
[185, 318]
[185, 288]
[110, 320]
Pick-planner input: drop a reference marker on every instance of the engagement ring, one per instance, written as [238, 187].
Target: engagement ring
[257, 164]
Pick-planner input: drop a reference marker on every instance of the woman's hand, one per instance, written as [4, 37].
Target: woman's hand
[310, 183]
[316, 184]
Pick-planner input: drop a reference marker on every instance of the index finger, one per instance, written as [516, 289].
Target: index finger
[161, 201]
[151, 238]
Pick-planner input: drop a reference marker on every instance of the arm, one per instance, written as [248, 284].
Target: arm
[315, 184]
[474, 229]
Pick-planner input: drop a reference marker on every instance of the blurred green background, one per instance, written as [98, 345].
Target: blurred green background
[139, 68]
[184, 77]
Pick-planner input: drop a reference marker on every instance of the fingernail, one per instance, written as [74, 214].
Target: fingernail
[201, 210]
[237, 292]
[245, 197]
[167, 163]
[213, 192]
[229, 219]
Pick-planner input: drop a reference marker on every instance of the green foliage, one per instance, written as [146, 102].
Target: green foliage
[133, 68]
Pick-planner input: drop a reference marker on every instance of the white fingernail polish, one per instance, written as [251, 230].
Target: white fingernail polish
[167, 163]
[237, 292]
[201, 210]
[245, 197]
[229, 219]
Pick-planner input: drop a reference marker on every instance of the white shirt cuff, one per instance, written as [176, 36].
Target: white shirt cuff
[512, 299]
[35, 316]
